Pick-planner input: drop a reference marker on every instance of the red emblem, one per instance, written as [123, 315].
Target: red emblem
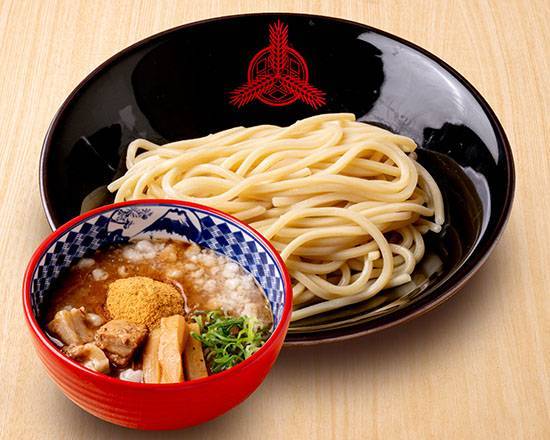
[278, 75]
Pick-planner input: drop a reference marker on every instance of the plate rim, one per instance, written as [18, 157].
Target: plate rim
[450, 287]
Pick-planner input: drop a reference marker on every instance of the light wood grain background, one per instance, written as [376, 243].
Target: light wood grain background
[475, 368]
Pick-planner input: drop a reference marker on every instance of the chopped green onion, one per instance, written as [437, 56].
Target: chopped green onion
[228, 340]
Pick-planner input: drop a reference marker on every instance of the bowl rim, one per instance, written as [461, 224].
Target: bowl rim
[46, 343]
[451, 286]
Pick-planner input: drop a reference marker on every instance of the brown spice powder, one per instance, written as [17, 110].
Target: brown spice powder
[143, 300]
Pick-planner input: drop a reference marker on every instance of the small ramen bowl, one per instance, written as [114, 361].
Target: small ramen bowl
[156, 406]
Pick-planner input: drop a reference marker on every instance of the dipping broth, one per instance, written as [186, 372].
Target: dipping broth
[158, 311]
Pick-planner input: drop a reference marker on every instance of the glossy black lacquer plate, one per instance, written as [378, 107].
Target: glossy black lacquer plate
[179, 84]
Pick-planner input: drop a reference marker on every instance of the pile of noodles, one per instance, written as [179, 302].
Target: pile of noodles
[344, 202]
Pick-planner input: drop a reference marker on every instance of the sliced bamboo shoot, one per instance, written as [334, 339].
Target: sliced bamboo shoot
[151, 365]
[173, 337]
[193, 357]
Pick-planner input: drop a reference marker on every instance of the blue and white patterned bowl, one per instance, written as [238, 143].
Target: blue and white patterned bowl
[133, 404]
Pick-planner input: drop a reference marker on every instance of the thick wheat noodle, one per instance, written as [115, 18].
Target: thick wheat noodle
[344, 202]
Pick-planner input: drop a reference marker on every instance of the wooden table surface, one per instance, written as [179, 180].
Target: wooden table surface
[475, 368]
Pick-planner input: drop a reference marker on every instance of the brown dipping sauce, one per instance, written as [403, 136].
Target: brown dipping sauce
[210, 281]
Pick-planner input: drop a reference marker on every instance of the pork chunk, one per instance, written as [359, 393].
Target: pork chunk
[89, 355]
[74, 326]
[120, 339]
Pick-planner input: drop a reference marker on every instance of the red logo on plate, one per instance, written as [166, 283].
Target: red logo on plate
[278, 75]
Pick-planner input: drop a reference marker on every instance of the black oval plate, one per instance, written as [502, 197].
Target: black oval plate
[215, 74]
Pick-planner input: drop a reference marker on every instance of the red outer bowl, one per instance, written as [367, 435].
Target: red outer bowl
[154, 406]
